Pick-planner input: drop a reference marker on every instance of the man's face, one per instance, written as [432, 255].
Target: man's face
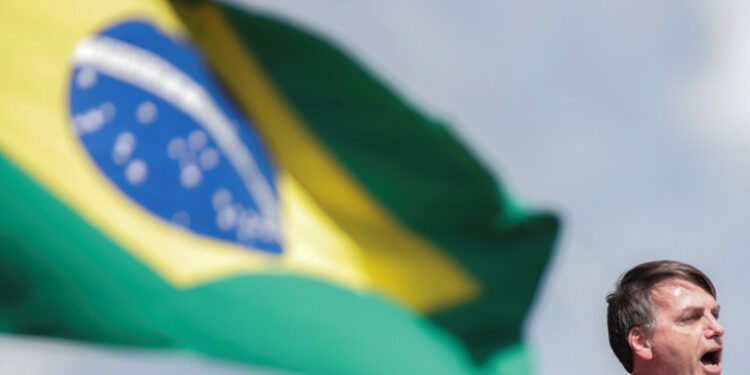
[687, 339]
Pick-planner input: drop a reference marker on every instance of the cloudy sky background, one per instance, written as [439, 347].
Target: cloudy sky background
[629, 118]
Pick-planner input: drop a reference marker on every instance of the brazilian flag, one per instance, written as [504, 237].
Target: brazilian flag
[192, 175]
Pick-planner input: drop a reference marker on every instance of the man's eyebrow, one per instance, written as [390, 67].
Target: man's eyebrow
[691, 309]
[695, 309]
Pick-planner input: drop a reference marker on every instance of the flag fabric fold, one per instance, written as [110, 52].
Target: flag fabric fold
[409, 165]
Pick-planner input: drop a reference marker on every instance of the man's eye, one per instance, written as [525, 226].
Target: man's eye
[691, 318]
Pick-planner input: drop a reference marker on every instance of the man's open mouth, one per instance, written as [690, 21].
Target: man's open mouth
[712, 359]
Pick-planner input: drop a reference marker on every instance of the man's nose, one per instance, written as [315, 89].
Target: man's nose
[715, 329]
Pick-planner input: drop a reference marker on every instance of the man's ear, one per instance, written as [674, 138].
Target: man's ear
[640, 342]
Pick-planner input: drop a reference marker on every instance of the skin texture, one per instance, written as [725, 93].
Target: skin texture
[686, 328]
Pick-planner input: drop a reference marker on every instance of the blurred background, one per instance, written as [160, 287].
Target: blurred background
[627, 118]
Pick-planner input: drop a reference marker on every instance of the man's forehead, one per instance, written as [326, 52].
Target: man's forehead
[676, 289]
